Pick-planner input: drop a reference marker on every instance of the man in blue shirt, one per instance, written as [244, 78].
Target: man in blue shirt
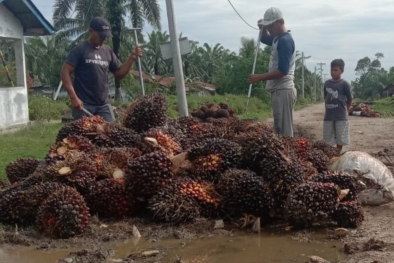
[280, 78]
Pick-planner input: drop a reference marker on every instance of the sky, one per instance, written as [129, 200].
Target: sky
[324, 30]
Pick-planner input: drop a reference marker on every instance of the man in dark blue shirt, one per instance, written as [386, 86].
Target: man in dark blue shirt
[280, 78]
[91, 61]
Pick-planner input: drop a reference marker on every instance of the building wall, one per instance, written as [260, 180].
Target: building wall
[13, 100]
[10, 27]
[13, 107]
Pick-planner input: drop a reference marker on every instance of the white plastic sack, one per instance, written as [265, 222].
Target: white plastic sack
[377, 177]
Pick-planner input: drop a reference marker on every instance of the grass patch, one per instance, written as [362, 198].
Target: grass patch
[31, 142]
[384, 106]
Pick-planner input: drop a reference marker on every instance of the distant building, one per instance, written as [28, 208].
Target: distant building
[18, 18]
[388, 91]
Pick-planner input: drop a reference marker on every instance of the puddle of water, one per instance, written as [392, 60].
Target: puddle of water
[239, 248]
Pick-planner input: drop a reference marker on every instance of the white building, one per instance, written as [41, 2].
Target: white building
[18, 18]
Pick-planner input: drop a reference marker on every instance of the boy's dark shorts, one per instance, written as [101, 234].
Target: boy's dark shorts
[104, 111]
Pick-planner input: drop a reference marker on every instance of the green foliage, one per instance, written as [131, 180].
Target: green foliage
[372, 78]
[42, 108]
[31, 142]
[4, 82]
[45, 57]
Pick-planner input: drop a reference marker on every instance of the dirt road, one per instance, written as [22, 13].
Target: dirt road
[369, 135]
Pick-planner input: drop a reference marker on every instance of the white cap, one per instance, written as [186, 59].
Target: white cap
[272, 15]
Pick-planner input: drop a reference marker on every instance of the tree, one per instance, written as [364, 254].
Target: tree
[45, 57]
[372, 78]
[153, 57]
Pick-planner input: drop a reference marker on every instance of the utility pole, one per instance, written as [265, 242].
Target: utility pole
[321, 76]
[177, 61]
[303, 80]
[314, 84]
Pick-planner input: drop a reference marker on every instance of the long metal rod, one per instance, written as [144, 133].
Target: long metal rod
[57, 91]
[139, 62]
[254, 67]
[6, 69]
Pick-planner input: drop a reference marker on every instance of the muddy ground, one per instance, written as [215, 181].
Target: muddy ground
[370, 135]
[373, 242]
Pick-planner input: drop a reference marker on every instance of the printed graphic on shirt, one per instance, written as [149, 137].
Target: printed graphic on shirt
[97, 60]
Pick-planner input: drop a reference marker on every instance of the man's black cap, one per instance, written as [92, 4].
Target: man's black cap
[102, 26]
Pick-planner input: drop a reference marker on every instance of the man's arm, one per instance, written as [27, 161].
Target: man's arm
[65, 75]
[125, 67]
[285, 52]
[266, 38]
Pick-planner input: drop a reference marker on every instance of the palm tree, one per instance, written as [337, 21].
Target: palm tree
[211, 59]
[77, 25]
[248, 47]
[45, 56]
[153, 51]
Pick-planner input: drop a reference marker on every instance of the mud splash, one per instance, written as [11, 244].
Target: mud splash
[264, 247]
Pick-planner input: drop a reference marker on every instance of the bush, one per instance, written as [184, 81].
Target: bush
[42, 108]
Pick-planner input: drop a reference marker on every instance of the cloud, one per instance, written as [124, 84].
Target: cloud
[325, 30]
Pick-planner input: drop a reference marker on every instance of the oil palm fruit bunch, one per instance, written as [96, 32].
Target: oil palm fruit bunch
[319, 160]
[256, 148]
[344, 181]
[148, 112]
[23, 184]
[311, 202]
[207, 168]
[230, 152]
[112, 162]
[173, 129]
[21, 168]
[147, 174]
[283, 173]
[63, 214]
[86, 127]
[77, 171]
[244, 192]
[164, 140]
[349, 214]
[20, 206]
[117, 136]
[204, 194]
[299, 147]
[309, 171]
[329, 150]
[184, 129]
[303, 147]
[161, 139]
[174, 203]
[256, 128]
[68, 146]
[4, 184]
[108, 198]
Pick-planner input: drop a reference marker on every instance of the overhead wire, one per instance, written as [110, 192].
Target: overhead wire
[241, 16]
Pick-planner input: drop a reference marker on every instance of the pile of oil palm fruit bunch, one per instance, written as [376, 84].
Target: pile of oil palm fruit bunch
[176, 170]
